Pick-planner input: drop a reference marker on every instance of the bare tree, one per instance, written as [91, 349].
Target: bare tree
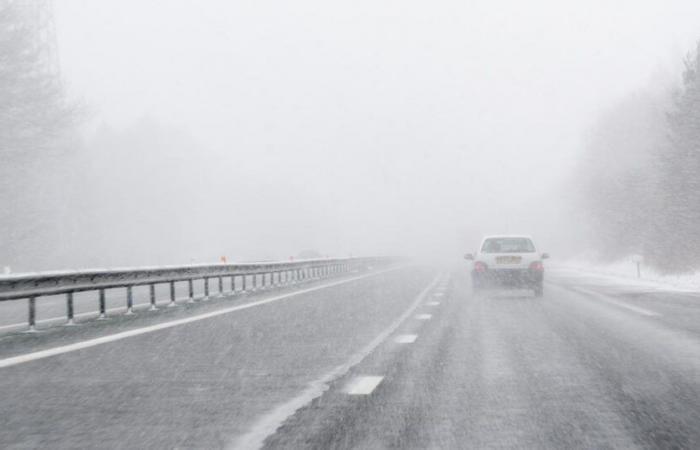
[33, 108]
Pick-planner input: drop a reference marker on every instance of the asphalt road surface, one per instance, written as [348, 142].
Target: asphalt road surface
[405, 358]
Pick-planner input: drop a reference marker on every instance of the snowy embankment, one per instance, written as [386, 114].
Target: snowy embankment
[625, 272]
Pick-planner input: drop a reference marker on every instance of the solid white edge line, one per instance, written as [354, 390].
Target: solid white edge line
[363, 385]
[269, 422]
[638, 310]
[14, 360]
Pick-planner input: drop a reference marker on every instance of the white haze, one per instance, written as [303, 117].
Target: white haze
[356, 127]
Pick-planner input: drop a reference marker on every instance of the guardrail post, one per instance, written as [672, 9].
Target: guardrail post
[172, 295]
[255, 282]
[103, 306]
[206, 289]
[32, 315]
[221, 286]
[152, 292]
[243, 278]
[69, 309]
[190, 291]
[129, 300]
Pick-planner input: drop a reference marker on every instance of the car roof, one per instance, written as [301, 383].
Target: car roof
[499, 236]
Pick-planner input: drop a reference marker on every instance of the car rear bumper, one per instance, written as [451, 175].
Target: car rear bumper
[508, 277]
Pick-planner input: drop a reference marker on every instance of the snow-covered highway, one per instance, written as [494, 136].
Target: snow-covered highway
[403, 358]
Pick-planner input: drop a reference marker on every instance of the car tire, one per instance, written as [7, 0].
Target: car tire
[476, 286]
[538, 290]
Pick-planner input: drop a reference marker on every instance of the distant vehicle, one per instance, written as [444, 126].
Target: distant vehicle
[508, 261]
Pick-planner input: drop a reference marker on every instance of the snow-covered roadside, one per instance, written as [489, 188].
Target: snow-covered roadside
[624, 272]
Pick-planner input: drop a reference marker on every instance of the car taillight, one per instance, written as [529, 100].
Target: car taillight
[537, 266]
[479, 267]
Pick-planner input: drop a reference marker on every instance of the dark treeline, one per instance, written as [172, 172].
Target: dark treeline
[640, 179]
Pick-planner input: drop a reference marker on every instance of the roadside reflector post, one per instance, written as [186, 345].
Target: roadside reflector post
[129, 300]
[638, 261]
[172, 294]
[69, 309]
[32, 315]
[103, 306]
[152, 292]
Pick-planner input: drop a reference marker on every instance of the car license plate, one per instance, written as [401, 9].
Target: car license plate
[508, 259]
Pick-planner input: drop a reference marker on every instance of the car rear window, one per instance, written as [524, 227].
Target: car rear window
[508, 245]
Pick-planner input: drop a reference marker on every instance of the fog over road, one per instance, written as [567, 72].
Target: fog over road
[406, 358]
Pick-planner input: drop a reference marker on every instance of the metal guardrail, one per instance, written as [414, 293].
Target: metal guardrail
[261, 275]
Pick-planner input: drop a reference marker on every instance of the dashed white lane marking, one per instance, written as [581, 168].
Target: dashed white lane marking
[406, 338]
[363, 385]
[27, 357]
[638, 310]
[438, 294]
[424, 316]
[433, 303]
[268, 423]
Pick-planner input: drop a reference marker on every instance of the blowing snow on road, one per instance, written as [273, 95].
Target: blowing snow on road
[405, 358]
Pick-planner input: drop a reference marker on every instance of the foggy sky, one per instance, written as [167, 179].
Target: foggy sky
[402, 126]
